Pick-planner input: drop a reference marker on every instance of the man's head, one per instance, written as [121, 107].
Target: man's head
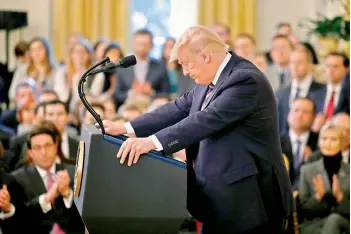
[42, 146]
[245, 46]
[200, 51]
[281, 49]
[57, 112]
[261, 62]
[21, 52]
[223, 31]
[48, 95]
[336, 66]
[342, 120]
[142, 43]
[301, 64]
[284, 28]
[24, 93]
[39, 112]
[99, 109]
[301, 115]
[131, 111]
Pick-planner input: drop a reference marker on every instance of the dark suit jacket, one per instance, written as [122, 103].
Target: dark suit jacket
[237, 178]
[283, 97]
[288, 151]
[156, 75]
[68, 219]
[9, 119]
[18, 222]
[344, 103]
[319, 99]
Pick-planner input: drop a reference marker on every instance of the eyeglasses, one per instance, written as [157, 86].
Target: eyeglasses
[47, 146]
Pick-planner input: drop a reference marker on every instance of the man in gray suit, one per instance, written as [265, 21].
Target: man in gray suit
[278, 73]
[148, 76]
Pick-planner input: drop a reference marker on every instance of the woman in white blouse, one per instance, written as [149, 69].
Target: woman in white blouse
[66, 80]
[40, 68]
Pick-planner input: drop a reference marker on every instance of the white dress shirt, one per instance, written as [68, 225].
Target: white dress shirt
[303, 139]
[141, 69]
[304, 86]
[46, 207]
[65, 144]
[156, 142]
[330, 89]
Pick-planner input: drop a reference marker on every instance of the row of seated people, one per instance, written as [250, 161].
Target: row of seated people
[318, 165]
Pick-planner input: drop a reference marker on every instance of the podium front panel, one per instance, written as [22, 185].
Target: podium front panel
[148, 197]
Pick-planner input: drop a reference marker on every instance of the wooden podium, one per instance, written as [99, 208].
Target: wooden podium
[148, 197]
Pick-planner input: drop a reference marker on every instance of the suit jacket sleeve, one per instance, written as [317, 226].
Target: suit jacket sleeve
[163, 117]
[310, 206]
[236, 102]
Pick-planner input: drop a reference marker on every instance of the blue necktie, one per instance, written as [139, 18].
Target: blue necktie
[297, 95]
[297, 155]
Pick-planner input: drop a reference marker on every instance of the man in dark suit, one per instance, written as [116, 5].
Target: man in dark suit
[299, 142]
[302, 85]
[330, 98]
[148, 76]
[48, 187]
[237, 180]
[24, 92]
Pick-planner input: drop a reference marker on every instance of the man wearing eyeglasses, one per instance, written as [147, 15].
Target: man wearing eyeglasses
[48, 186]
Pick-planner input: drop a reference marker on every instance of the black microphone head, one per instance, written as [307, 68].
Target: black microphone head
[128, 61]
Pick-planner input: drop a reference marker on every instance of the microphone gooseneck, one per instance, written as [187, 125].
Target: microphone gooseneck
[81, 93]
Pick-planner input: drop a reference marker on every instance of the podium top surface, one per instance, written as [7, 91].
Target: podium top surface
[154, 154]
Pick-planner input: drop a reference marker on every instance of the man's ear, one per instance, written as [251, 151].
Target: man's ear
[206, 57]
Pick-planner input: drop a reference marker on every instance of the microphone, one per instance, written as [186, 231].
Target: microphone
[123, 62]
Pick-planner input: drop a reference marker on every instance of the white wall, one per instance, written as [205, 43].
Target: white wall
[39, 23]
[182, 17]
[271, 12]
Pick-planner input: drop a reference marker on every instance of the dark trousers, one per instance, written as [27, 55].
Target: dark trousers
[272, 227]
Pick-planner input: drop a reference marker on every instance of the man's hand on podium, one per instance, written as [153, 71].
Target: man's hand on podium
[134, 147]
[114, 128]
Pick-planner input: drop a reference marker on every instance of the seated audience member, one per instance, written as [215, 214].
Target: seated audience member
[57, 112]
[141, 100]
[6, 158]
[330, 98]
[119, 118]
[67, 78]
[299, 142]
[147, 77]
[25, 116]
[47, 95]
[99, 109]
[341, 120]
[18, 143]
[100, 47]
[179, 83]
[261, 62]
[245, 46]
[12, 216]
[114, 52]
[223, 31]
[158, 102]
[40, 68]
[131, 111]
[325, 187]
[309, 47]
[278, 73]
[110, 109]
[21, 52]
[302, 85]
[48, 187]
[24, 93]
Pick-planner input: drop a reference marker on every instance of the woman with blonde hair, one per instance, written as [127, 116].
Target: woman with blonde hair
[324, 190]
[66, 80]
[40, 69]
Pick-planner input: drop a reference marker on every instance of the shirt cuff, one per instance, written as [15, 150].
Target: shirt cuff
[68, 201]
[130, 129]
[9, 214]
[46, 207]
[157, 143]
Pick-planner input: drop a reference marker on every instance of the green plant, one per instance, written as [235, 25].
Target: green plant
[336, 27]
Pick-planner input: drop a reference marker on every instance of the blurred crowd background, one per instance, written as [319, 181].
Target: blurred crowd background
[301, 46]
